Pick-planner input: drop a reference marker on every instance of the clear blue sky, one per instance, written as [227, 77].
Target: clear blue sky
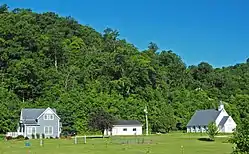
[215, 31]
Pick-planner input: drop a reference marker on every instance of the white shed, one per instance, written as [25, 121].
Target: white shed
[125, 127]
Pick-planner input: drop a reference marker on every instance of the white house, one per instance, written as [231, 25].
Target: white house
[125, 127]
[200, 120]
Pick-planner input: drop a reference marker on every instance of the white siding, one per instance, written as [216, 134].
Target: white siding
[229, 126]
[203, 129]
[125, 130]
[188, 129]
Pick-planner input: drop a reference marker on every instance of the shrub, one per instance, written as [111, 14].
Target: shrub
[26, 138]
[37, 135]
[57, 137]
[212, 131]
[9, 137]
[63, 137]
[33, 136]
[43, 136]
[20, 137]
[51, 137]
[1, 137]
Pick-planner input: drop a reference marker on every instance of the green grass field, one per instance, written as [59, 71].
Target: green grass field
[155, 144]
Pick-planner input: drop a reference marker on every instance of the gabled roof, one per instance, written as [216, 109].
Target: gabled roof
[223, 121]
[29, 115]
[128, 122]
[203, 117]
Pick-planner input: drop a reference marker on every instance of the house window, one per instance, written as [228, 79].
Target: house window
[48, 117]
[31, 130]
[51, 117]
[45, 117]
[125, 129]
[134, 129]
[48, 130]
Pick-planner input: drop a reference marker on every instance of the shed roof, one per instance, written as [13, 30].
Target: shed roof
[128, 122]
[203, 117]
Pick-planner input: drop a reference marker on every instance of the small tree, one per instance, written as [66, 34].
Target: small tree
[212, 130]
[3, 8]
[241, 138]
[101, 120]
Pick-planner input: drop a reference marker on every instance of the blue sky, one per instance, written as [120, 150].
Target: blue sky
[214, 31]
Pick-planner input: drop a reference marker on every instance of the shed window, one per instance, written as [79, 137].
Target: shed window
[134, 129]
[125, 129]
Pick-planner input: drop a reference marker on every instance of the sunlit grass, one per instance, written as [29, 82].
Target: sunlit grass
[175, 143]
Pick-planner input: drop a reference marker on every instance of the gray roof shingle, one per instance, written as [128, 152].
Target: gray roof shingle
[29, 115]
[128, 122]
[203, 117]
[223, 121]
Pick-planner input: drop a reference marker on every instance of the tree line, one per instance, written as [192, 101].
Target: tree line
[47, 60]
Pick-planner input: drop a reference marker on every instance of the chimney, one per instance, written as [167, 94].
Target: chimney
[221, 106]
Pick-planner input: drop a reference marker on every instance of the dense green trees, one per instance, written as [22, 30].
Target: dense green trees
[241, 139]
[48, 60]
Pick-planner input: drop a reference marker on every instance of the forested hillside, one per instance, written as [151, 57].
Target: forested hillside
[51, 61]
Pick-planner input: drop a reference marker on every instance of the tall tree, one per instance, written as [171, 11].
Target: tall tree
[101, 120]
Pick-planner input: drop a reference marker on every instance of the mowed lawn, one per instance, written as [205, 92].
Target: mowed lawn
[154, 144]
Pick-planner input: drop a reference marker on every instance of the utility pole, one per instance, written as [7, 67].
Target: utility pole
[146, 120]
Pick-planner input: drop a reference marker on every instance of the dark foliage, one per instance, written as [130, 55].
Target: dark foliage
[9, 137]
[37, 135]
[33, 136]
[20, 137]
[101, 120]
[43, 136]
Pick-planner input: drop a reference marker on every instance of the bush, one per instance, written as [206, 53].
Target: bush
[1, 137]
[37, 135]
[33, 136]
[43, 136]
[20, 137]
[57, 137]
[63, 137]
[26, 138]
[9, 137]
[51, 137]
[212, 131]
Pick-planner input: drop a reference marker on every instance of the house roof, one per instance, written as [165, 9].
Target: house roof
[128, 122]
[223, 121]
[203, 117]
[29, 115]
